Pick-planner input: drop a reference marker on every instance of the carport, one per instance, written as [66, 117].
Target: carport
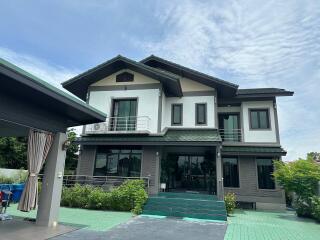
[29, 103]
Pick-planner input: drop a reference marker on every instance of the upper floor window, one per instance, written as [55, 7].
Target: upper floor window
[124, 114]
[176, 114]
[230, 172]
[124, 77]
[265, 170]
[259, 119]
[201, 113]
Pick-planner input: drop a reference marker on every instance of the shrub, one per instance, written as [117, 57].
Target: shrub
[315, 204]
[230, 201]
[130, 196]
[303, 208]
[19, 177]
[301, 176]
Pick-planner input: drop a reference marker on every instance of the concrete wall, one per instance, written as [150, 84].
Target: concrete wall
[250, 135]
[86, 160]
[151, 167]
[138, 79]
[249, 191]
[147, 99]
[188, 85]
[189, 106]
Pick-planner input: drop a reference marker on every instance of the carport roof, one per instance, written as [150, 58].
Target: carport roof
[19, 82]
[171, 137]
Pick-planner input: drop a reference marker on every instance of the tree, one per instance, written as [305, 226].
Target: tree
[72, 152]
[13, 152]
[301, 176]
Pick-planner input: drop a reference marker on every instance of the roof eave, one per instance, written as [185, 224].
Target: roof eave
[161, 76]
[205, 76]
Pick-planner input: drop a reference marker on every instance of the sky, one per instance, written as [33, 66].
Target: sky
[252, 43]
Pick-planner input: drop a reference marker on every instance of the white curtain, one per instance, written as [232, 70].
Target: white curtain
[39, 144]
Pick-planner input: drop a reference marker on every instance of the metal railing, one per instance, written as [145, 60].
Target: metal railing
[106, 182]
[120, 124]
[233, 135]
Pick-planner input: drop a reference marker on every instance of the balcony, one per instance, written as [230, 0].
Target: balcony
[132, 124]
[231, 135]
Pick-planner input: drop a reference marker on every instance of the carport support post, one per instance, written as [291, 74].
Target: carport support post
[220, 189]
[49, 201]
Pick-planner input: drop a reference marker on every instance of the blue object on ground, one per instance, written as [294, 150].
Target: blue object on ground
[17, 190]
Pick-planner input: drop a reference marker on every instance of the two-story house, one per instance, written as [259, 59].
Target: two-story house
[181, 127]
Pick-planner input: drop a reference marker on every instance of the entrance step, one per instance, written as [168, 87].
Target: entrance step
[188, 205]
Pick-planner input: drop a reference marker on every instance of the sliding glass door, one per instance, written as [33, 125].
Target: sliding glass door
[229, 125]
[124, 115]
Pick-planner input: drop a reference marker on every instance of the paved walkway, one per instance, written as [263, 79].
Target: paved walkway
[255, 225]
[146, 228]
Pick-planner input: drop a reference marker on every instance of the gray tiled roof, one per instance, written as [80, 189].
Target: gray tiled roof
[172, 135]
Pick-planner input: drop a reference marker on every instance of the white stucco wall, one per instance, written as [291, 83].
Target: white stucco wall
[188, 85]
[148, 102]
[189, 111]
[138, 79]
[268, 135]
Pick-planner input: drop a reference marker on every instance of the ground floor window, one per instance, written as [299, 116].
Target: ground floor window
[265, 170]
[118, 162]
[230, 172]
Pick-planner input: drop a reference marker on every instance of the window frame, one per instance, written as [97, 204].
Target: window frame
[267, 110]
[181, 114]
[238, 169]
[120, 150]
[257, 174]
[205, 114]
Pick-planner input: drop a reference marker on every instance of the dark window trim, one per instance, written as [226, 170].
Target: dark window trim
[172, 106]
[268, 120]
[238, 168]
[125, 77]
[205, 114]
[258, 187]
[131, 148]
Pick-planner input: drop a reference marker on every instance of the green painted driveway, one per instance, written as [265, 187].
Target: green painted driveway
[89, 219]
[255, 225]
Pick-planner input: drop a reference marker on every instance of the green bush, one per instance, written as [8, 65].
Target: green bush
[19, 177]
[315, 204]
[130, 196]
[230, 201]
[303, 208]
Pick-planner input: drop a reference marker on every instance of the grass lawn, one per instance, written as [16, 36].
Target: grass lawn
[256, 225]
[90, 219]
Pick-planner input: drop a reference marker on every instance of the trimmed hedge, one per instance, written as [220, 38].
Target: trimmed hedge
[130, 196]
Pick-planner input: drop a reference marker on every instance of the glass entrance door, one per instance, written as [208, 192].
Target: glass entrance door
[124, 115]
[189, 173]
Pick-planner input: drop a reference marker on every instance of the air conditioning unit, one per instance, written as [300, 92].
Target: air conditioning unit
[97, 126]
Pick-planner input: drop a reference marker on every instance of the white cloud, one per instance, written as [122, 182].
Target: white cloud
[256, 44]
[39, 67]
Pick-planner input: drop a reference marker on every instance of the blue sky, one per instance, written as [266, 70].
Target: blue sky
[251, 43]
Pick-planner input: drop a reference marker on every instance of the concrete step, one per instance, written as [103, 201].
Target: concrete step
[189, 205]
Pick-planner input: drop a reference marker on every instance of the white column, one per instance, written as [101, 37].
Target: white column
[220, 189]
[49, 200]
